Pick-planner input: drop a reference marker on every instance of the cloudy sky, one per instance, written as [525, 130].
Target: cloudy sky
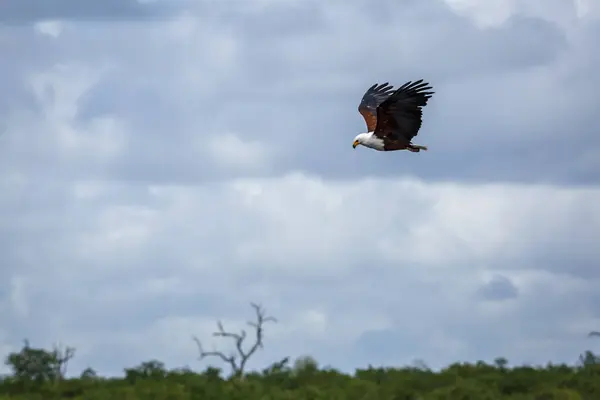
[163, 163]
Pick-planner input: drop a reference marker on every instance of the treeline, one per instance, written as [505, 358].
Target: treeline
[41, 374]
[304, 380]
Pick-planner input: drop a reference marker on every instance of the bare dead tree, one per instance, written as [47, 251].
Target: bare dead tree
[62, 355]
[237, 360]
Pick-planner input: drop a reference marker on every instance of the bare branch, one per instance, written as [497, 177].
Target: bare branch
[238, 368]
[62, 355]
[261, 319]
[203, 354]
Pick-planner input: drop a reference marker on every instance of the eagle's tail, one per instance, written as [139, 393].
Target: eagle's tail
[415, 148]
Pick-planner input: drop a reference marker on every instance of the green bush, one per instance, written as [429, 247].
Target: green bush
[39, 374]
[306, 381]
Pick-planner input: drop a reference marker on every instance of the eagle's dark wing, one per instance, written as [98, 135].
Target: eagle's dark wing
[399, 116]
[594, 334]
[373, 97]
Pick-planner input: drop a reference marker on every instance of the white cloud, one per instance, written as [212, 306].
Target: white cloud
[413, 239]
[485, 14]
[18, 300]
[493, 13]
[587, 8]
[49, 28]
[56, 131]
[206, 55]
[231, 152]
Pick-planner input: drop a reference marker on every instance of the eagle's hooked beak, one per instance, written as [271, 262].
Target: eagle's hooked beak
[355, 144]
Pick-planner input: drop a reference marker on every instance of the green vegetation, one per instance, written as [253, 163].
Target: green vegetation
[39, 374]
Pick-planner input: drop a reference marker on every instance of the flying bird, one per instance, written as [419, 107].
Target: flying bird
[393, 117]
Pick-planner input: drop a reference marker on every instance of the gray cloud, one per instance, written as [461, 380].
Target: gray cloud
[138, 272]
[27, 11]
[494, 89]
[499, 288]
[487, 120]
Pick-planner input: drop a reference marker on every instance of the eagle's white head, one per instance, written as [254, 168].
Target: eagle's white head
[361, 138]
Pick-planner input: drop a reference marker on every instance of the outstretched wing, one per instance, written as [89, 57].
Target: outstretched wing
[373, 97]
[399, 117]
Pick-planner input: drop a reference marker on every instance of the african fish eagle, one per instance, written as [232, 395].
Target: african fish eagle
[393, 117]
